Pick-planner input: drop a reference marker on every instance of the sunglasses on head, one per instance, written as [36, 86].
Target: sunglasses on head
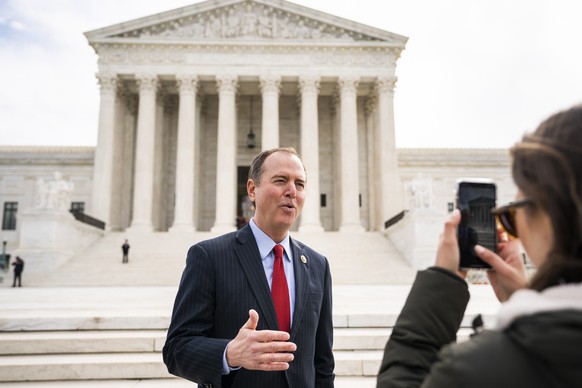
[506, 215]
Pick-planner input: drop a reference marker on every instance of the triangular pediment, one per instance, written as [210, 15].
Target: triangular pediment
[245, 20]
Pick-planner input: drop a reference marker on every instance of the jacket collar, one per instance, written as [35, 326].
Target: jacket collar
[528, 302]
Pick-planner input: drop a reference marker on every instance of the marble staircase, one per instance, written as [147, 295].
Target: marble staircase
[157, 259]
[114, 335]
[96, 322]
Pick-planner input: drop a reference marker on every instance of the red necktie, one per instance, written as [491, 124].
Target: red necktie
[280, 291]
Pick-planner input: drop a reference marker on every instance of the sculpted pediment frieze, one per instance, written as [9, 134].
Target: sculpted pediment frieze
[249, 20]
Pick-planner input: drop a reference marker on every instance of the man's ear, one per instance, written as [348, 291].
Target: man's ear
[251, 189]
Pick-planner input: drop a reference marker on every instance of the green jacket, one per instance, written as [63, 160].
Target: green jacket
[539, 343]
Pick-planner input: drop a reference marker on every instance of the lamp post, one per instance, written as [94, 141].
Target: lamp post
[3, 263]
[251, 135]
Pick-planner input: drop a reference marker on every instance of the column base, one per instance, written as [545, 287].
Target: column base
[182, 228]
[223, 228]
[140, 228]
[352, 228]
[310, 228]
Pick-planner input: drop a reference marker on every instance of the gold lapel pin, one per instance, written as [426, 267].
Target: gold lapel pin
[303, 259]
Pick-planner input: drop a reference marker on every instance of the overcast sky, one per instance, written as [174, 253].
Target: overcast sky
[474, 73]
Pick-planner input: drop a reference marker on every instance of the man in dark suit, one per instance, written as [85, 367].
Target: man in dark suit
[226, 325]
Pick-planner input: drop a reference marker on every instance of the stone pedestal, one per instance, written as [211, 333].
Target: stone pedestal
[50, 237]
[416, 236]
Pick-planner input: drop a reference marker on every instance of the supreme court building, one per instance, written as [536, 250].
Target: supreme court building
[190, 96]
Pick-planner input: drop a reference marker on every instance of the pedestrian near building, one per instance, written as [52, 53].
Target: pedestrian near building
[18, 268]
[125, 249]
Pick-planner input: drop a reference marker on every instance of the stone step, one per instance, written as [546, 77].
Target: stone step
[373, 338]
[143, 341]
[127, 341]
[357, 362]
[82, 366]
[158, 259]
[97, 333]
[74, 342]
[149, 365]
[340, 382]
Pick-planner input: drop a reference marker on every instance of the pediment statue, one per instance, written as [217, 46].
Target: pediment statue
[247, 20]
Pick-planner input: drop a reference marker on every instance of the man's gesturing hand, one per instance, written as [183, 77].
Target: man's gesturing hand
[266, 350]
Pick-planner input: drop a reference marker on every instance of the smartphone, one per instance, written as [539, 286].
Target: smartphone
[475, 199]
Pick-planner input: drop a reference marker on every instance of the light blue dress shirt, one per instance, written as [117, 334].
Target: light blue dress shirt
[266, 245]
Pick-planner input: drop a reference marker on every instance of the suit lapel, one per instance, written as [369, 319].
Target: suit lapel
[249, 257]
[301, 278]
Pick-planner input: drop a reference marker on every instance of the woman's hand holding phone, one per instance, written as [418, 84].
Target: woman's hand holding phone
[508, 274]
[448, 255]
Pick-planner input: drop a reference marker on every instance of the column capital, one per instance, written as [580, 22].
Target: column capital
[187, 83]
[107, 81]
[348, 83]
[227, 83]
[309, 84]
[270, 83]
[385, 84]
[147, 82]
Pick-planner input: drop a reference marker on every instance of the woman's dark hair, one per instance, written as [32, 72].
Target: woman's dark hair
[547, 168]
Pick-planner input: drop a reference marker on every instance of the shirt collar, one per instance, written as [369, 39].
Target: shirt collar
[266, 244]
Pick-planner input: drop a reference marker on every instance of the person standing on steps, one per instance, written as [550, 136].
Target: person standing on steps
[254, 307]
[18, 268]
[125, 249]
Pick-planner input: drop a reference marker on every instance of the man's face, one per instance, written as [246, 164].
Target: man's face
[280, 194]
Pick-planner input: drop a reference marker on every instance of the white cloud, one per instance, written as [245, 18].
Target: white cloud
[17, 25]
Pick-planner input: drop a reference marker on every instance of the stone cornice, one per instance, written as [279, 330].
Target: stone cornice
[453, 157]
[407, 157]
[229, 46]
[205, 54]
[46, 155]
[45, 149]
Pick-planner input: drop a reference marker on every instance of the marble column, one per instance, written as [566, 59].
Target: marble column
[309, 88]
[270, 88]
[104, 152]
[186, 155]
[374, 215]
[389, 192]
[158, 214]
[226, 155]
[349, 186]
[144, 156]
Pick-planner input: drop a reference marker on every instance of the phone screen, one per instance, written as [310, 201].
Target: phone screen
[475, 201]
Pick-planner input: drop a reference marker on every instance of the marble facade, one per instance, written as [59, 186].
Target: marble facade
[182, 90]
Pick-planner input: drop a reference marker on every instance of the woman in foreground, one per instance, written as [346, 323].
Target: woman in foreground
[537, 341]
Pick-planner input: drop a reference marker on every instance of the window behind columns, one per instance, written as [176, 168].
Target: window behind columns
[9, 216]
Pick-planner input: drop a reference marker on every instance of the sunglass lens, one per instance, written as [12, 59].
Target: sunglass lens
[507, 219]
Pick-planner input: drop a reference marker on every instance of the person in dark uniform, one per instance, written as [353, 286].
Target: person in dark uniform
[125, 249]
[18, 268]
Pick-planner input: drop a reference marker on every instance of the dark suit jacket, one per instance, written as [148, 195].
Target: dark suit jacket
[224, 278]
